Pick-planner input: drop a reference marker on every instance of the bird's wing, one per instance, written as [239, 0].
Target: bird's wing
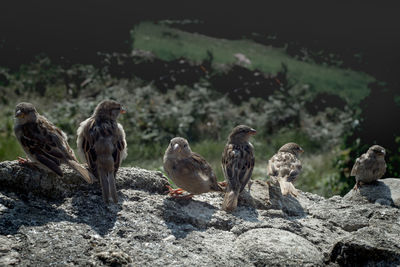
[91, 132]
[81, 138]
[120, 148]
[381, 169]
[284, 165]
[361, 161]
[87, 136]
[199, 163]
[295, 169]
[272, 169]
[355, 167]
[46, 143]
[279, 166]
[238, 163]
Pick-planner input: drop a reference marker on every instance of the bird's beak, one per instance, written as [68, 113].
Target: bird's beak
[123, 110]
[252, 131]
[19, 114]
[383, 152]
[176, 146]
[301, 150]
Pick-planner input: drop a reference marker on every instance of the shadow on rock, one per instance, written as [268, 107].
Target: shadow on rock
[384, 192]
[246, 213]
[91, 210]
[184, 216]
[247, 207]
[37, 197]
[267, 195]
[29, 210]
[290, 205]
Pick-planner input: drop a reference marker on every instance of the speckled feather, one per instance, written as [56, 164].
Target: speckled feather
[92, 131]
[45, 143]
[101, 143]
[237, 164]
[284, 165]
[368, 168]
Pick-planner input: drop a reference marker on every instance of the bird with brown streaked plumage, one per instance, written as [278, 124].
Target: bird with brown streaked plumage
[101, 143]
[237, 164]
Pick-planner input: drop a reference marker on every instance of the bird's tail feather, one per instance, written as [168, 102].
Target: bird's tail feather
[113, 188]
[86, 174]
[108, 187]
[288, 188]
[230, 200]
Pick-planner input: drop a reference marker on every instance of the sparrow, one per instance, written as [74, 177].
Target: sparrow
[44, 144]
[370, 166]
[188, 170]
[101, 143]
[285, 167]
[237, 164]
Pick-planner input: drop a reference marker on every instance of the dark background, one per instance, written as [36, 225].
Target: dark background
[76, 31]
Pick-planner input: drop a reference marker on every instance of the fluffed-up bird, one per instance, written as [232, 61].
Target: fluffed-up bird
[101, 143]
[285, 167]
[188, 170]
[44, 144]
[370, 166]
[237, 164]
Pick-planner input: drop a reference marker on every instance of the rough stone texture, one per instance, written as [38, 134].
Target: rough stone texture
[62, 221]
[384, 191]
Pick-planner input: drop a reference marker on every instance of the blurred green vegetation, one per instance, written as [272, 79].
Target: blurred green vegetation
[9, 147]
[169, 43]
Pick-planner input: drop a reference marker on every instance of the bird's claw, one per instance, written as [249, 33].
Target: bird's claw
[174, 192]
[357, 186]
[177, 193]
[223, 184]
[28, 163]
[21, 160]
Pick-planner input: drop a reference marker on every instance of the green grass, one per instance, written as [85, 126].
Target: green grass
[9, 146]
[320, 175]
[211, 150]
[168, 44]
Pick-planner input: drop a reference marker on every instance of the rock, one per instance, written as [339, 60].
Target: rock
[370, 246]
[114, 258]
[8, 250]
[23, 178]
[47, 220]
[274, 246]
[384, 192]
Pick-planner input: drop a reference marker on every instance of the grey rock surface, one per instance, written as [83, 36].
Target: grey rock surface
[62, 221]
[384, 191]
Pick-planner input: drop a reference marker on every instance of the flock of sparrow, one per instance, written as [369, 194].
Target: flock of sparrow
[101, 144]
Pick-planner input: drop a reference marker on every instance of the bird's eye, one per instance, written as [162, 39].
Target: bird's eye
[185, 145]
